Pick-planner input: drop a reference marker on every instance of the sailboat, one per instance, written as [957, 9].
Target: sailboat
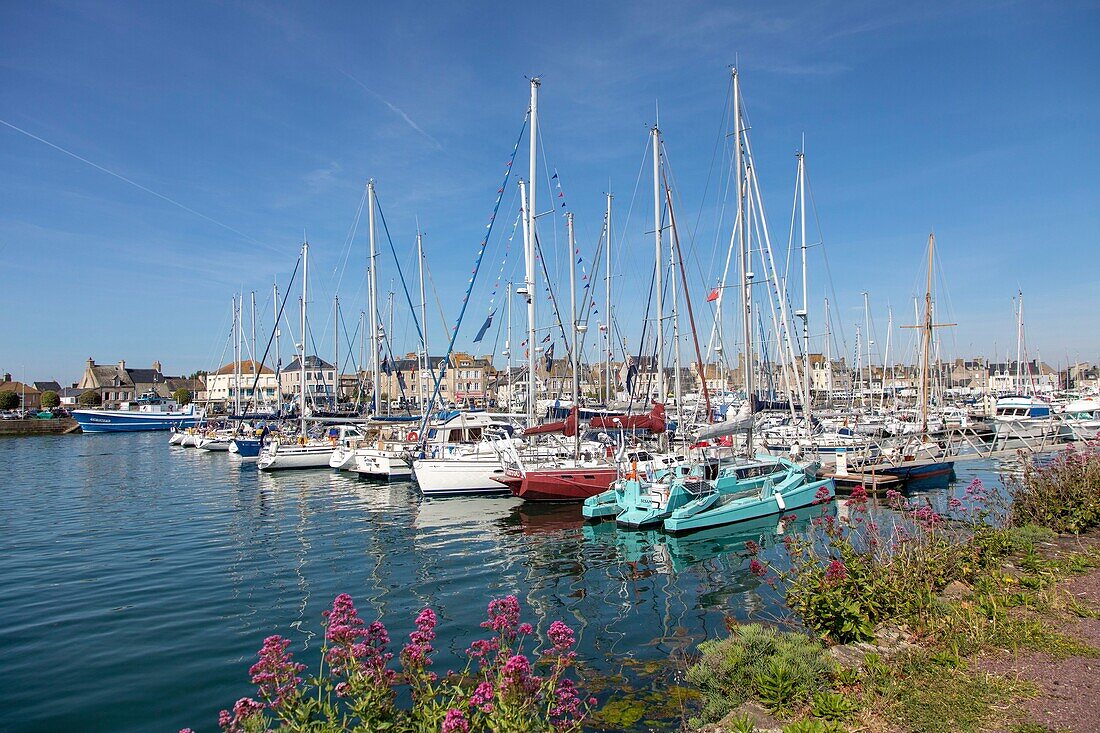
[708, 493]
[305, 450]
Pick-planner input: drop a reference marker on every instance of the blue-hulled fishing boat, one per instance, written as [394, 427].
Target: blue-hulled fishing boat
[148, 412]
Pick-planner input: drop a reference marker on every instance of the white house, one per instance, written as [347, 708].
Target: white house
[221, 386]
[320, 380]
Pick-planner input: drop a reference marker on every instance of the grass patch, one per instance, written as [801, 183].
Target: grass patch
[782, 670]
[925, 696]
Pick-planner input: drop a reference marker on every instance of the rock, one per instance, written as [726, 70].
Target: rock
[956, 590]
[757, 713]
[890, 641]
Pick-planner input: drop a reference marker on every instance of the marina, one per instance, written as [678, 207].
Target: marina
[173, 562]
[587, 367]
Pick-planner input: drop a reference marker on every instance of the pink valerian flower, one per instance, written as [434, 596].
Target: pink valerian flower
[503, 617]
[276, 673]
[561, 636]
[455, 722]
[186, 730]
[954, 503]
[927, 517]
[858, 495]
[752, 548]
[823, 495]
[526, 629]
[836, 572]
[482, 648]
[894, 498]
[565, 704]
[416, 654]
[243, 711]
[350, 645]
[515, 676]
[482, 698]
[757, 568]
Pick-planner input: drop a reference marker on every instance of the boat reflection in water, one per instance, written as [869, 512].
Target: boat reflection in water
[677, 553]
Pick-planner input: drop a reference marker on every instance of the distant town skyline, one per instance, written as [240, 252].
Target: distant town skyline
[158, 159]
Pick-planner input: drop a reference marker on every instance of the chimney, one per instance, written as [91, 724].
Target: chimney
[156, 366]
[122, 365]
[91, 362]
[7, 377]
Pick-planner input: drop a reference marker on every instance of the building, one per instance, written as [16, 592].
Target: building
[48, 386]
[320, 381]
[195, 385]
[1016, 377]
[221, 386]
[29, 397]
[70, 396]
[118, 383]
[465, 379]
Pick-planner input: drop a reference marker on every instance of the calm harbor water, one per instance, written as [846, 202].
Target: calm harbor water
[138, 580]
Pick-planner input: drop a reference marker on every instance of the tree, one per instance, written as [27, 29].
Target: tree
[182, 396]
[91, 398]
[9, 400]
[50, 399]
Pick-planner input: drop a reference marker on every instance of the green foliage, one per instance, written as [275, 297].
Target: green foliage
[780, 669]
[9, 400]
[813, 725]
[740, 724]
[91, 398]
[182, 396]
[925, 697]
[832, 706]
[1063, 495]
[50, 399]
[1026, 538]
[846, 580]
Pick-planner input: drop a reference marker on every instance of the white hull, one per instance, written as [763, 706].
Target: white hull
[459, 476]
[191, 440]
[215, 444]
[176, 438]
[288, 456]
[374, 463]
[343, 459]
[1026, 428]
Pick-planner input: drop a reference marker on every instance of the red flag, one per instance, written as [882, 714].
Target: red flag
[713, 296]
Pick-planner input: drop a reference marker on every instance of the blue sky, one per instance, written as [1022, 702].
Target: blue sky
[263, 121]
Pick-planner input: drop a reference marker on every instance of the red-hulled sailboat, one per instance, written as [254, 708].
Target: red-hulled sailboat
[576, 479]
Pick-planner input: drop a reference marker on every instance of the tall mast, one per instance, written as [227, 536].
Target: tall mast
[305, 323]
[254, 328]
[746, 275]
[508, 341]
[867, 329]
[528, 291]
[575, 353]
[886, 358]
[828, 355]
[422, 368]
[658, 265]
[336, 350]
[607, 304]
[532, 213]
[927, 339]
[237, 356]
[674, 264]
[278, 355]
[372, 302]
[927, 326]
[1020, 344]
[807, 397]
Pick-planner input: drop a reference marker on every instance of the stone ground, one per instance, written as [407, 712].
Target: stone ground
[1069, 698]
